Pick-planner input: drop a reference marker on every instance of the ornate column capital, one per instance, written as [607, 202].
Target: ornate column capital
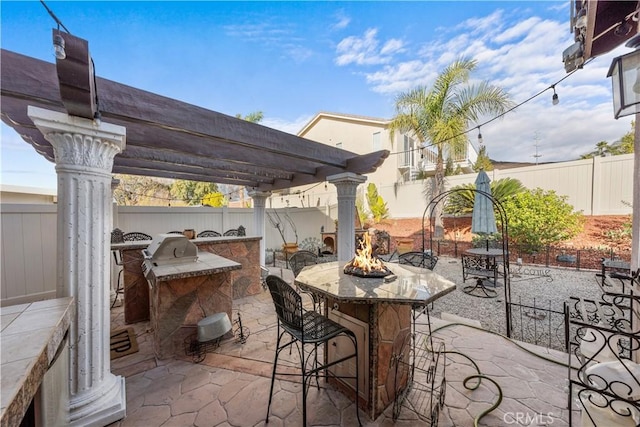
[346, 183]
[79, 142]
[258, 195]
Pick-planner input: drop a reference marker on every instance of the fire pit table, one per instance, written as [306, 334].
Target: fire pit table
[378, 310]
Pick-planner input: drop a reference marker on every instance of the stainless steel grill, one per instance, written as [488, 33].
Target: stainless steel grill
[169, 249]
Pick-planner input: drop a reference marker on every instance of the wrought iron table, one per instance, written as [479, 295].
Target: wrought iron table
[485, 267]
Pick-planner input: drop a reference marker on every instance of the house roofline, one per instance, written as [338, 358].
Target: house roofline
[341, 116]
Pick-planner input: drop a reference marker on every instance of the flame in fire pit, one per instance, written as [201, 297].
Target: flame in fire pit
[364, 264]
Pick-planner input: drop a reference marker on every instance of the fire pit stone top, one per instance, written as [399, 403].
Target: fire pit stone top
[407, 285]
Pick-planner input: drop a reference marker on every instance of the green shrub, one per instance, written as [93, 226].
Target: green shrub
[377, 205]
[537, 218]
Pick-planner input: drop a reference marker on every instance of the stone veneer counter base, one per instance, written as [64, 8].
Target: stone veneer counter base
[242, 249]
[184, 294]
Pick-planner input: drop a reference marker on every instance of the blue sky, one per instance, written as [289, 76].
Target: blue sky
[291, 60]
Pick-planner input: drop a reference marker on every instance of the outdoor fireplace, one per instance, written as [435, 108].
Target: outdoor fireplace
[365, 264]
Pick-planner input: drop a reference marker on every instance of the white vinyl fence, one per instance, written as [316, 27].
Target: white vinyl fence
[598, 186]
[28, 259]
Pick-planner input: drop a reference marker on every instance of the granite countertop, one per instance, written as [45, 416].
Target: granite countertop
[411, 285]
[142, 244]
[207, 263]
[30, 337]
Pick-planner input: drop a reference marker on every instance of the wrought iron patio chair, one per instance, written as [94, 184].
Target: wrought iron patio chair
[117, 236]
[480, 268]
[306, 328]
[136, 236]
[209, 233]
[240, 231]
[297, 262]
[174, 232]
[418, 259]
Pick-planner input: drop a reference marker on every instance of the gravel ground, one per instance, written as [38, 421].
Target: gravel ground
[528, 324]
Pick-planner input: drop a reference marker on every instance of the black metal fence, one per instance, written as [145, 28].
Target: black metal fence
[549, 256]
[538, 324]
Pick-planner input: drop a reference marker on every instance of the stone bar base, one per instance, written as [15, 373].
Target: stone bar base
[389, 336]
[246, 251]
[136, 288]
[178, 305]
[245, 282]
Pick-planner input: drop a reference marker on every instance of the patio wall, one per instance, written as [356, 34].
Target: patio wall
[598, 186]
[28, 258]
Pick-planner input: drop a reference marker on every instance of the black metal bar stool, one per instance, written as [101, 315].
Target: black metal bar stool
[305, 328]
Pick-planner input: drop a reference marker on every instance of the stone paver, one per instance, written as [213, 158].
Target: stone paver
[231, 386]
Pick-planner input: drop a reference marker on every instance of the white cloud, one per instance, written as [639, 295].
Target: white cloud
[292, 127]
[392, 46]
[524, 56]
[343, 21]
[278, 37]
[365, 50]
[517, 30]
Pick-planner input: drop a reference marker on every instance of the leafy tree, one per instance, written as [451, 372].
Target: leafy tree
[216, 200]
[377, 205]
[538, 218]
[440, 116]
[134, 190]
[461, 202]
[483, 162]
[625, 145]
[192, 192]
[255, 117]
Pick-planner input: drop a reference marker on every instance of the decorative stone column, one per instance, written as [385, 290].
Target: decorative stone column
[84, 153]
[346, 184]
[259, 205]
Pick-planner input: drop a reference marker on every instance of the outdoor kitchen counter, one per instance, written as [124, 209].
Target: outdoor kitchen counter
[31, 336]
[379, 312]
[183, 294]
[206, 264]
[241, 249]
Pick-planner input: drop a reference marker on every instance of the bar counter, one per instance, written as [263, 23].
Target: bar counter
[244, 250]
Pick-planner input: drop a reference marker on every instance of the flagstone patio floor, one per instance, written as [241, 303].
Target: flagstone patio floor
[230, 387]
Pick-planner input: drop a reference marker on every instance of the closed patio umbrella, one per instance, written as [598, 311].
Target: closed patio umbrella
[483, 219]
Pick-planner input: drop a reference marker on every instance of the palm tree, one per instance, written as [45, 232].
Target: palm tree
[440, 116]
[603, 148]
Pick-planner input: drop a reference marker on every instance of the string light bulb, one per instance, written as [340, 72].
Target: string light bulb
[58, 47]
[554, 98]
[480, 141]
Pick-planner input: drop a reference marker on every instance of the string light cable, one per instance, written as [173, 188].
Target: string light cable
[531, 98]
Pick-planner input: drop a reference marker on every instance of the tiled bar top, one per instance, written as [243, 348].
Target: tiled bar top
[408, 285]
[31, 334]
[206, 263]
[143, 244]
